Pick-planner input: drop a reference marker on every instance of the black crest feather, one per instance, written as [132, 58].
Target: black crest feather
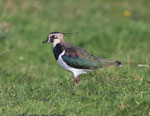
[62, 33]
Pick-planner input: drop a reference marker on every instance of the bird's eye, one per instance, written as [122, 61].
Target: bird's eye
[54, 37]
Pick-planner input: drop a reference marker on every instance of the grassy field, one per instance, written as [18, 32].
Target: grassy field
[31, 82]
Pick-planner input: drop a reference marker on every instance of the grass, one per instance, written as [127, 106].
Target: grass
[31, 82]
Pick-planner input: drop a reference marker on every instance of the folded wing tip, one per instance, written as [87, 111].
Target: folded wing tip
[119, 63]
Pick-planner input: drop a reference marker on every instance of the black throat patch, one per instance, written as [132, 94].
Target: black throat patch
[57, 50]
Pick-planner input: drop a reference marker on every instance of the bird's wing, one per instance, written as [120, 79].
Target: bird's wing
[78, 58]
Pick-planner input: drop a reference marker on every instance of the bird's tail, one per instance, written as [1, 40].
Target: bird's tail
[107, 63]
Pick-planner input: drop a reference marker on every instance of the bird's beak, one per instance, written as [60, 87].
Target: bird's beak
[45, 41]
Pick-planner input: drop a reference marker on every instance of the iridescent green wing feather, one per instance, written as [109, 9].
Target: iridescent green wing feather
[78, 58]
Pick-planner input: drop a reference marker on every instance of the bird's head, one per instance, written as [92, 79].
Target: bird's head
[54, 37]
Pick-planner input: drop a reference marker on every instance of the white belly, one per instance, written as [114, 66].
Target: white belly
[75, 71]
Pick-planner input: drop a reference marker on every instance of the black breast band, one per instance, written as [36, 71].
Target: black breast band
[58, 49]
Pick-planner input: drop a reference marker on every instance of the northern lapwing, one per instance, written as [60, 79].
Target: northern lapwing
[75, 59]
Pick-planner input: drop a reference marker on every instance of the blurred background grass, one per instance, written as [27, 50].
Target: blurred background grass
[110, 29]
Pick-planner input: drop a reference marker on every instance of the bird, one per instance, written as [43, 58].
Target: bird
[74, 59]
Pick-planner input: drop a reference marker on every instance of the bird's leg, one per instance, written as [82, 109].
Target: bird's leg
[76, 81]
